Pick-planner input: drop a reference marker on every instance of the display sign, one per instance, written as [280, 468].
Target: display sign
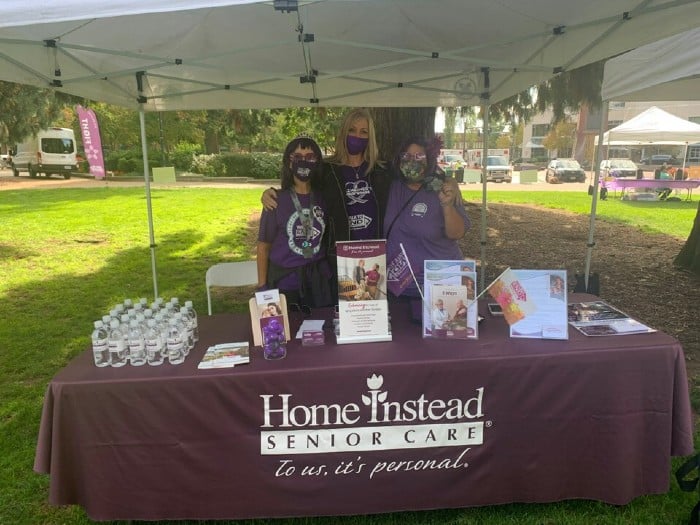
[362, 301]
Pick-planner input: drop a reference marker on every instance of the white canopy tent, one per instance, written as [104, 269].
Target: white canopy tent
[653, 125]
[665, 70]
[668, 69]
[157, 55]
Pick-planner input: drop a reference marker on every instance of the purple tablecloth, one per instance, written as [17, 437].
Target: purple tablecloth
[378, 427]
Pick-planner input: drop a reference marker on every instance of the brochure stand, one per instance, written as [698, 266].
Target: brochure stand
[363, 309]
[450, 310]
[256, 304]
[533, 302]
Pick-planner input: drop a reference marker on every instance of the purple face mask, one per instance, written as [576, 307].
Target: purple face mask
[356, 145]
[302, 169]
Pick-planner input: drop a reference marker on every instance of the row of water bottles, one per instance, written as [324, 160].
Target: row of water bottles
[137, 333]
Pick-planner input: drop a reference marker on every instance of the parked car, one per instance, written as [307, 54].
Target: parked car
[498, 169]
[524, 164]
[657, 160]
[564, 170]
[618, 168]
[451, 161]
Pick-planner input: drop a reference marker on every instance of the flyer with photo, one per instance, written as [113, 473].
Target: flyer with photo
[268, 311]
[363, 310]
[449, 307]
[225, 355]
[598, 318]
[534, 302]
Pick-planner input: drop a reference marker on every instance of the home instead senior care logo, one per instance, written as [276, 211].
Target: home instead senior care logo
[376, 423]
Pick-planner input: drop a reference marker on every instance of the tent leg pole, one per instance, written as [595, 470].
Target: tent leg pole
[147, 180]
[484, 154]
[596, 183]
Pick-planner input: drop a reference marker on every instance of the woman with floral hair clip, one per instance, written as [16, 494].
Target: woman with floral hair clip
[425, 212]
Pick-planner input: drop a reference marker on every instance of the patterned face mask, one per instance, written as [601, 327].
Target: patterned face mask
[302, 169]
[413, 170]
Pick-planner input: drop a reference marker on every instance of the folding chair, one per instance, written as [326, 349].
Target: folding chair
[232, 274]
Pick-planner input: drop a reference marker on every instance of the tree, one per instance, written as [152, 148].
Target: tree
[448, 132]
[24, 110]
[394, 125]
[560, 137]
[689, 256]
[570, 89]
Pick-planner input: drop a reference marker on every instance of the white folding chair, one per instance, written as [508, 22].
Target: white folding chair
[243, 273]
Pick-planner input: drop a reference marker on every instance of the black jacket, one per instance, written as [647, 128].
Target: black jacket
[333, 191]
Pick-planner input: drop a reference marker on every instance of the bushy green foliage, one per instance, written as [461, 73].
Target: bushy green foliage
[183, 154]
[128, 161]
[209, 165]
[257, 165]
[266, 165]
[237, 165]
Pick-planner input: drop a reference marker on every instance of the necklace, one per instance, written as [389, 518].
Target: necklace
[357, 170]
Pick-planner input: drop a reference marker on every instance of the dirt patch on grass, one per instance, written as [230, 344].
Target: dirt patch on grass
[635, 268]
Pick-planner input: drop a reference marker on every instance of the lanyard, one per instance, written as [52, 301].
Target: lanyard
[306, 218]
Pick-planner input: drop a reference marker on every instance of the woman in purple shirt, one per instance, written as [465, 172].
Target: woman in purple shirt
[424, 212]
[290, 255]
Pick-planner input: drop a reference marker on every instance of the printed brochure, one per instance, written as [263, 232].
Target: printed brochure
[598, 318]
[362, 302]
[533, 302]
[449, 307]
[225, 355]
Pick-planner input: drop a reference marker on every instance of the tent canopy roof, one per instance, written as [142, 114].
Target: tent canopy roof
[665, 70]
[653, 126]
[205, 54]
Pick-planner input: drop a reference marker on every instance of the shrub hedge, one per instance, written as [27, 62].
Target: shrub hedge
[185, 157]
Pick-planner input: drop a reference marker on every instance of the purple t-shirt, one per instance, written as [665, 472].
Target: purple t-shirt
[420, 227]
[283, 229]
[360, 202]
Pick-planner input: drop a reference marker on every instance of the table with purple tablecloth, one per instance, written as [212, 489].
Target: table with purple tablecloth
[624, 185]
[409, 424]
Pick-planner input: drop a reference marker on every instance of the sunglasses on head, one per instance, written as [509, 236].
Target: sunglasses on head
[413, 156]
[298, 157]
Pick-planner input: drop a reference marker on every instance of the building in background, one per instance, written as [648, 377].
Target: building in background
[588, 127]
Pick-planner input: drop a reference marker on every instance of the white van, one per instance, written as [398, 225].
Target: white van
[50, 151]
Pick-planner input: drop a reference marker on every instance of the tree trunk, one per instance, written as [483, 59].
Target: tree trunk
[211, 141]
[689, 256]
[394, 125]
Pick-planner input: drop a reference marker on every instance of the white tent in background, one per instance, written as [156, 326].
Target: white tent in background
[668, 69]
[653, 125]
[160, 55]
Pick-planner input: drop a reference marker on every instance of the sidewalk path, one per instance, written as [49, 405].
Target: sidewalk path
[23, 182]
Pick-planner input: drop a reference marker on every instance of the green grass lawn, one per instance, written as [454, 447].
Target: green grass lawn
[69, 255]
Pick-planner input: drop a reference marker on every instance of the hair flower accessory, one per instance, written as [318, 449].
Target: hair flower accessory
[434, 146]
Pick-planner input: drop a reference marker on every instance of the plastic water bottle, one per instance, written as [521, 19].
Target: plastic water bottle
[137, 344]
[155, 346]
[100, 346]
[189, 327]
[175, 344]
[193, 316]
[116, 342]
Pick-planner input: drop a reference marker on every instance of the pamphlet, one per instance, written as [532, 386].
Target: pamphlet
[268, 312]
[449, 307]
[533, 302]
[362, 301]
[598, 318]
[225, 355]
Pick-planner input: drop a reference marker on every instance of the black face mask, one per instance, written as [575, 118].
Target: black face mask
[302, 169]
